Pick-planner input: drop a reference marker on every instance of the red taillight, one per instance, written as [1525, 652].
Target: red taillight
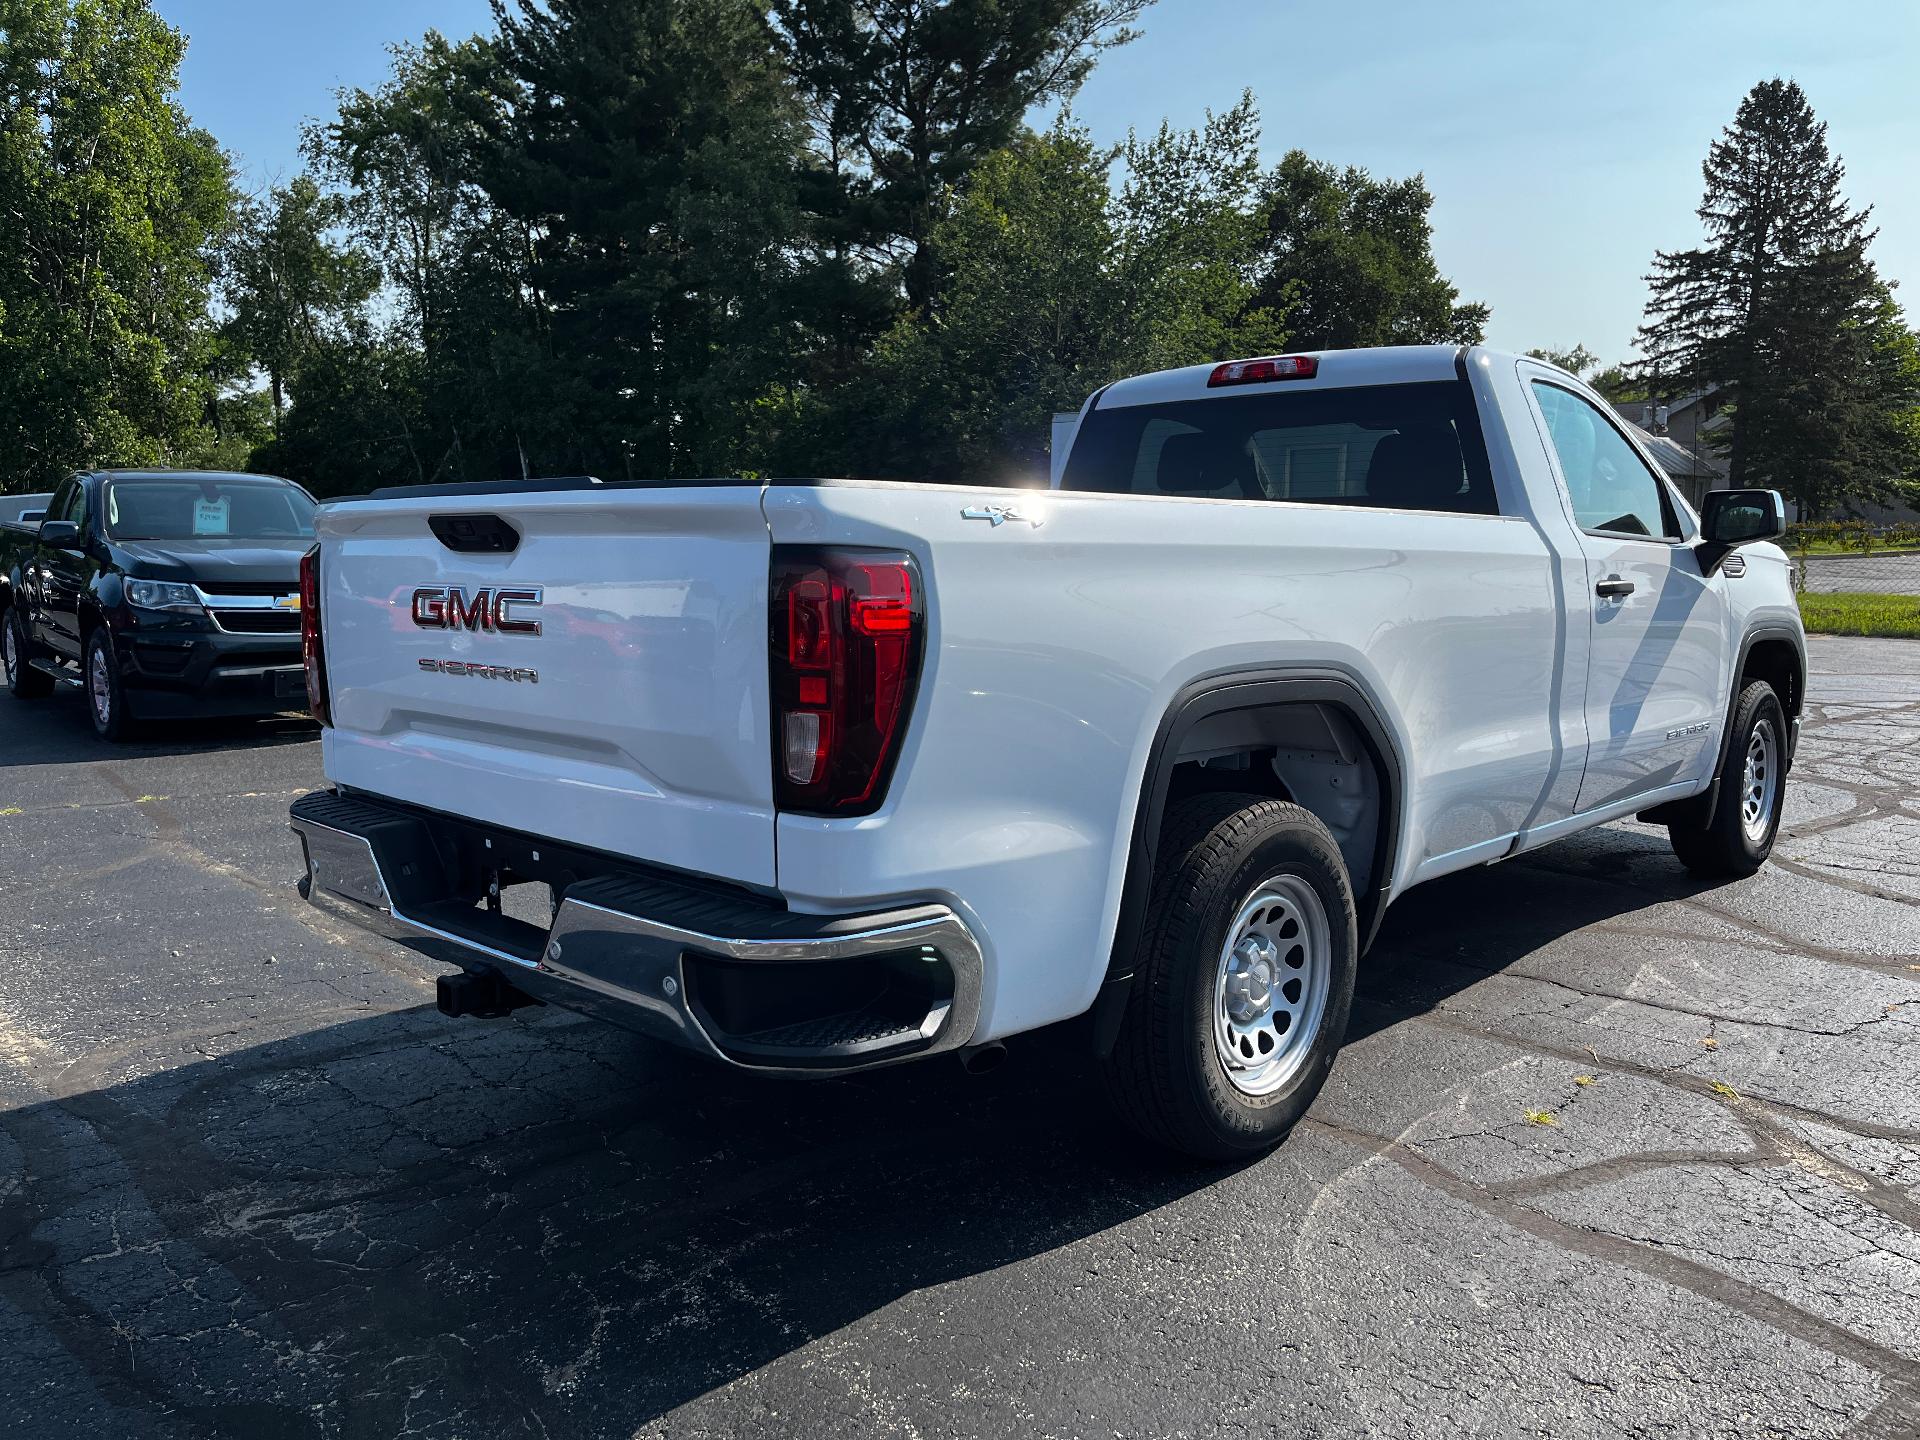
[1273, 367]
[312, 654]
[846, 635]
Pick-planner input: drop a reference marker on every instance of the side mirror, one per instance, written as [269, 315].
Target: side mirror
[60, 534]
[1739, 517]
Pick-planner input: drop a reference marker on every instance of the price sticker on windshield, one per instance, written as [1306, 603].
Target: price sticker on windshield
[210, 516]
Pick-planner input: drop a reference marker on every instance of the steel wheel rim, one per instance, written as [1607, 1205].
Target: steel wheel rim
[1271, 984]
[100, 685]
[1759, 786]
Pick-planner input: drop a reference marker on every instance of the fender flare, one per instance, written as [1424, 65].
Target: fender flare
[1245, 689]
[1797, 641]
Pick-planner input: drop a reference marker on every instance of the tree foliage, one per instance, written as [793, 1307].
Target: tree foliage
[287, 284]
[1782, 305]
[1577, 361]
[1055, 282]
[908, 97]
[113, 202]
[1350, 258]
[652, 156]
[655, 238]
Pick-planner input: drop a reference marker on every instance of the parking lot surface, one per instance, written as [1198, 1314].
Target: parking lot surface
[1609, 1153]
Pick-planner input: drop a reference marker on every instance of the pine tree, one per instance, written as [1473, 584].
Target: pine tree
[652, 158]
[1782, 307]
[907, 97]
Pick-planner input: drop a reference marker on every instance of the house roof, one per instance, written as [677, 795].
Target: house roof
[1673, 457]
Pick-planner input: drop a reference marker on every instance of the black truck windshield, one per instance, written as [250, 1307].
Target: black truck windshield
[203, 509]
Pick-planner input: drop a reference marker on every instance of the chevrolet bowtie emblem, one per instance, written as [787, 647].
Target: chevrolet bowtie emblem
[998, 515]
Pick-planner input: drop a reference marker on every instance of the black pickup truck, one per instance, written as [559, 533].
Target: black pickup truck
[164, 593]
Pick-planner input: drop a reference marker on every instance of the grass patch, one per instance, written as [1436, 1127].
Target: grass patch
[1542, 1117]
[1849, 547]
[1897, 616]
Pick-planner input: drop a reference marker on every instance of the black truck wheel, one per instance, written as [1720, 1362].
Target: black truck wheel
[1245, 979]
[1738, 835]
[23, 680]
[106, 696]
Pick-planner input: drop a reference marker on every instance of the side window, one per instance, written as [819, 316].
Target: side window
[68, 502]
[1610, 485]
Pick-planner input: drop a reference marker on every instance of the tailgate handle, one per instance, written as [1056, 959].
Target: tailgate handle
[474, 534]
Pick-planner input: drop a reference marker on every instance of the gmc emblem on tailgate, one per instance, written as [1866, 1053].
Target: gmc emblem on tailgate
[447, 607]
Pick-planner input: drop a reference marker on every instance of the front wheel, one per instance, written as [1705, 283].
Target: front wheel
[106, 696]
[25, 682]
[1738, 836]
[1245, 979]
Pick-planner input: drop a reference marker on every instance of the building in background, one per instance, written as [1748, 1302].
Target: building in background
[1679, 432]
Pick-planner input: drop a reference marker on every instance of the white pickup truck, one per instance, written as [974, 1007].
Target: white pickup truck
[820, 774]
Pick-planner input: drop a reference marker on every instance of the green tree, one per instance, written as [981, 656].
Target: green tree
[1056, 283]
[1782, 306]
[1030, 322]
[1619, 384]
[286, 283]
[1577, 361]
[652, 156]
[906, 97]
[1350, 260]
[359, 419]
[410, 159]
[1188, 220]
[114, 202]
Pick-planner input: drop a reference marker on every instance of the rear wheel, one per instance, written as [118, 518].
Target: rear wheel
[1738, 835]
[1245, 980]
[23, 680]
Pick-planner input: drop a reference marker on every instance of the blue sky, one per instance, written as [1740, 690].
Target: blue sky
[1561, 150]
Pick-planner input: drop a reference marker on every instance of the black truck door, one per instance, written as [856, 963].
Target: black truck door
[63, 574]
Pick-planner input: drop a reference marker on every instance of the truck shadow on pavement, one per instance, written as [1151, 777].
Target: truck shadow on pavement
[56, 731]
[396, 1222]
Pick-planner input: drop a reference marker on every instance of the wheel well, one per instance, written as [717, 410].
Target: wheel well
[1777, 663]
[1310, 753]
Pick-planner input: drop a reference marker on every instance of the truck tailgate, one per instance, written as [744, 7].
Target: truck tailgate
[635, 721]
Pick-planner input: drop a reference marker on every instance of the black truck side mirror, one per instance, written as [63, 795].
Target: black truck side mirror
[60, 534]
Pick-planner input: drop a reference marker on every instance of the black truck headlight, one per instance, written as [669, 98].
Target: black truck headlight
[163, 595]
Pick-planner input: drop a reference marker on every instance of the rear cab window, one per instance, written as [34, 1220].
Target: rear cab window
[1414, 446]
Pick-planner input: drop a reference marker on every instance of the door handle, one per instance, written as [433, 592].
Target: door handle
[1614, 588]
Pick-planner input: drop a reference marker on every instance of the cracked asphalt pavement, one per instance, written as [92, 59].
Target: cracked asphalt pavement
[1608, 1153]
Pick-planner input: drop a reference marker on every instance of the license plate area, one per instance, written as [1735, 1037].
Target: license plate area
[290, 685]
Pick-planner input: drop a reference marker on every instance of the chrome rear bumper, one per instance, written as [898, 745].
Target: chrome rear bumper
[652, 956]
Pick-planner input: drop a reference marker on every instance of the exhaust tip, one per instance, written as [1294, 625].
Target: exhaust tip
[979, 1059]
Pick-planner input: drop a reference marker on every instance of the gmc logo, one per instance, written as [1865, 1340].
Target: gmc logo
[447, 607]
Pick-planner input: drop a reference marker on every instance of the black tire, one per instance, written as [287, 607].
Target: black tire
[115, 723]
[1168, 1073]
[23, 681]
[1733, 842]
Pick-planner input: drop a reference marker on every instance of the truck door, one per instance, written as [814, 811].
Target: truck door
[1655, 696]
[62, 575]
